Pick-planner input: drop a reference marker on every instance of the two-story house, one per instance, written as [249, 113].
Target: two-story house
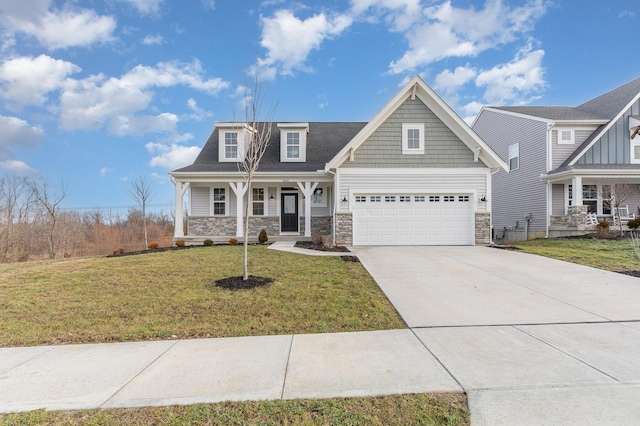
[415, 174]
[563, 162]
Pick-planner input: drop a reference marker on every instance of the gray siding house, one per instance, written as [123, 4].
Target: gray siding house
[550, 151]
[416, 174]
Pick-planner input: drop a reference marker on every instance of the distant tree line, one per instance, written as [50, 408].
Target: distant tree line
[34, 226]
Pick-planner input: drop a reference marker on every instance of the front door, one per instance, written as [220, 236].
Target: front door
[289, 213]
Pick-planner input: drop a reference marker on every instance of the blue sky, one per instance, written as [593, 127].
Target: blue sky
[96, 93]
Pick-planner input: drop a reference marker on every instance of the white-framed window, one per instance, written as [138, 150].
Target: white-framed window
[597, 198]
[361, 198]
[230, 145]
[293, 142]
[293, 145]
[434, 198]
[389, 198]
[635, 150]
[514, 157]
[413, 138]
[449, 198]
[257, 201]
[566, 136]
[463, 198]
[419, 199]
[219, 201]
[375, 199]
[405, 198]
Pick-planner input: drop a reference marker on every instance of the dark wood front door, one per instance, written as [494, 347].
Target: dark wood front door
[289, 213]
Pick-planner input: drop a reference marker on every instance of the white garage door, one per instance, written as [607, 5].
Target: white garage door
[413, 219]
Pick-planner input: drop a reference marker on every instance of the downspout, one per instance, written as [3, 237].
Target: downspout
[334, 207]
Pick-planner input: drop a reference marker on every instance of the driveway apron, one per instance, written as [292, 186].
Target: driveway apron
[531, 340]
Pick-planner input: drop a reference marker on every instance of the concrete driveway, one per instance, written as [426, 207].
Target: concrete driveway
[530, 339]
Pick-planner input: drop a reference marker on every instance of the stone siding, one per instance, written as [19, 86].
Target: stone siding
[344, 229]
[225, 226]
[483, 229]
[577, 215]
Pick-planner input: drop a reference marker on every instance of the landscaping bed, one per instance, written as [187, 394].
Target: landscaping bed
[310, 245]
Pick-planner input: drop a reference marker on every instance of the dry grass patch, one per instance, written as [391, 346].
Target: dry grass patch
[173, 295]
[611, 255]
[414, 409]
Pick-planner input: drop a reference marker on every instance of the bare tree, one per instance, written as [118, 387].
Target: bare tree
[256, 140]
[142, 193]
[15, 199]
[49, 200]
[618, 192]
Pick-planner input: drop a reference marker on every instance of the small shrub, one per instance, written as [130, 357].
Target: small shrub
[180, 243]
[316, 238]
[262, 236]
[208, 242]
[634, 224]
[153, 245]
[233, 241]
[602, 229]
[119, 250]
[327, 241]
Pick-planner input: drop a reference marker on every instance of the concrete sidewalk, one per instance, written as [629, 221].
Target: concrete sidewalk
[213, 370]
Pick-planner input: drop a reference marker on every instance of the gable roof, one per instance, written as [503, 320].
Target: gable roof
[417, 87]
[324, 140]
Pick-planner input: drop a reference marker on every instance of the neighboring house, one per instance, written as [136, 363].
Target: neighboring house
[416, 174]
[553, 150]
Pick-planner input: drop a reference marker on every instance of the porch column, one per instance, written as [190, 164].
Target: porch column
[307, 190]
[239, 188]
[178, 227]
[576, 182]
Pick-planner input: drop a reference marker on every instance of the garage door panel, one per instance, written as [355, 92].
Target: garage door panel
[401, 220]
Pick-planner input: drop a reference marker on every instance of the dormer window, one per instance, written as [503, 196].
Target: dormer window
[293, 142]
[293, 145]
[231, 145]
[232, 138]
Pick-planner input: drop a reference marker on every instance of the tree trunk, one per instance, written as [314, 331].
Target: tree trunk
[245, 254]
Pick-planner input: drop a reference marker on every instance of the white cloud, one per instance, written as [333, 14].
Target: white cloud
[19, 167]
[208, 4]
[443, 31]
[152, 39]
[289, 40]
[15, 132]
[448, 82]
[55, 29]
[197, 113]
[97, 101]
[146, 7]
[105, 171]
[27, 80]
[400, 14]
[517, 81]
[470, 110]
[172, 156]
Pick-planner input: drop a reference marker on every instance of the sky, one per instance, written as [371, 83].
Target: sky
[96, 93]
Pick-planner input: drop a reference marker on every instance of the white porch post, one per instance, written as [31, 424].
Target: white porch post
[307, 190]
[576, 183]
[239, 188]
[178, 227]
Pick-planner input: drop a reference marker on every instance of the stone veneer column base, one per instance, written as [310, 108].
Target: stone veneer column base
[344, 229]
[483, 229]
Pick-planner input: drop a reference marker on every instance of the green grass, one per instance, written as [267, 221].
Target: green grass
[414, 409]
[172, 295]
[611, 255]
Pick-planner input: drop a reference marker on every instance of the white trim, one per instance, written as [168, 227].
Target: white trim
[605, 129]
[515, 155]
[457, 191]
[405, 138]
[514, 114]
[570, 141]
[415, 171]
[301, 131]
[611, 173]
[227, 193]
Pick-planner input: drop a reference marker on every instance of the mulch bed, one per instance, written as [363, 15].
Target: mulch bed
[310, 245]
[631, 272]
[237, 283]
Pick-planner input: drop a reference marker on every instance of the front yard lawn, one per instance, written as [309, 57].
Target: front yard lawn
[612, 255]
[172, 295]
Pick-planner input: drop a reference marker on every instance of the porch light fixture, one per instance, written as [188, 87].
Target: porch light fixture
[344, 199]
[484, 198]
[271, 197]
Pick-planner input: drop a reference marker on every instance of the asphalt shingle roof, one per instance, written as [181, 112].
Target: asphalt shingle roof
[324, 141]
